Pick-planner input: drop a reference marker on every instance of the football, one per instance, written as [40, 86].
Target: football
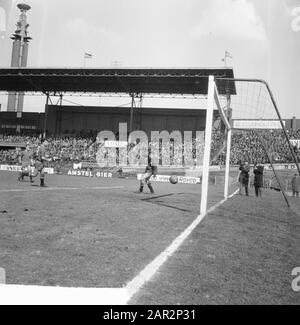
[173, 179]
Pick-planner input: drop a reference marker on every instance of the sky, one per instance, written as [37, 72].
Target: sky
[263, 37]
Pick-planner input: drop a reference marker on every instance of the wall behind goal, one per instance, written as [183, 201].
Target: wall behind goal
[73, 119]
[79, 118]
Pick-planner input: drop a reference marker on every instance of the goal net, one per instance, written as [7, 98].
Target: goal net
[248, 129]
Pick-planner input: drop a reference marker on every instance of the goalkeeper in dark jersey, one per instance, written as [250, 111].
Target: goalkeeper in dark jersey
[149, 172]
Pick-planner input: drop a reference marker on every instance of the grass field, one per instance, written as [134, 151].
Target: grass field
[242, 253]
[87, 232]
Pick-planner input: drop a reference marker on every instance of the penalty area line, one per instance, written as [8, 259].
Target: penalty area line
[38, 189]
[152, 268]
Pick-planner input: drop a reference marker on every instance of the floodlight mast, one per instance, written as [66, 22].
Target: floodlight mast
[19, 57]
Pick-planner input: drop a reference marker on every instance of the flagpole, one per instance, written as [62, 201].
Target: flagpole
[86, 56]
[225, 62]
[227, 55]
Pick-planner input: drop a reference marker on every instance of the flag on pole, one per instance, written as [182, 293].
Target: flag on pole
[228, 55]
[87, 55]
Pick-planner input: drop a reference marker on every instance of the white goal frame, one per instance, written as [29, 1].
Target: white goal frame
[212, 100]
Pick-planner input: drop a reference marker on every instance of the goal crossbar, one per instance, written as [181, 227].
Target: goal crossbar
[262, 97]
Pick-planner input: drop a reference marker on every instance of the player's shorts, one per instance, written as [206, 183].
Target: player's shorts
[146, 176]
[25, 168]
[32, 170]
[39, 165]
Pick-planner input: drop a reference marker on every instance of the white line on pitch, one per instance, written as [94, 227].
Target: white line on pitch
[60, 189]
[151, 269]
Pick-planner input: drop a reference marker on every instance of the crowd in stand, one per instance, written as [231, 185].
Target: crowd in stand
[66, 150]
[246, 146]
[251, 146]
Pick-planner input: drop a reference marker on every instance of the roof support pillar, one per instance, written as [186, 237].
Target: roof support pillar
[131, 113]
[46, 115]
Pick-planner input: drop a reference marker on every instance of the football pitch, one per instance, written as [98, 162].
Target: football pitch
[100, 233]
[88, 232]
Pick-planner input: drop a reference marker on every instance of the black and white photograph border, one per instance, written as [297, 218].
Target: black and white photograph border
[149, 154]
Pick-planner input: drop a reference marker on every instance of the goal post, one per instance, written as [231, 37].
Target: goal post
[207, 144]
[213, 102]
[264, 107]
[226, 118]
[252, 130]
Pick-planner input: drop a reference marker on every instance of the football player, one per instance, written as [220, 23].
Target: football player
[40, 160]
[26, 162]
[149, 172]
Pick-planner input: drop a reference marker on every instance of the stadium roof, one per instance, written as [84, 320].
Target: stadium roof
[114, 80]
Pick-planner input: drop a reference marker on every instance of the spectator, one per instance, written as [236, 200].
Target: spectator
[258, 179]
[296, 185]
[246, 145]
[244, 177]
[240, 179]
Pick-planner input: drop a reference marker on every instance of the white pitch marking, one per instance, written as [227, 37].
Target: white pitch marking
[61, 188]
[151, 269]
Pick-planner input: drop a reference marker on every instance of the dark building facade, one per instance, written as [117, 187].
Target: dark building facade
[29, 123]
[72, 120]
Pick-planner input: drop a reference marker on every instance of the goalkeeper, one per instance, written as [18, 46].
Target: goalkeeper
[149, 172]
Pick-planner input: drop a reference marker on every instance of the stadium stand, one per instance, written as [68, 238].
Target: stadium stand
[245, 147]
